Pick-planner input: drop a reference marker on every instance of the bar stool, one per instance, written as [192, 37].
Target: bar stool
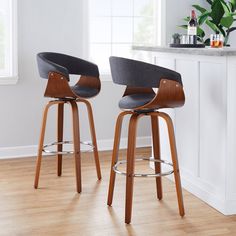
[140, 100]
[56, 68]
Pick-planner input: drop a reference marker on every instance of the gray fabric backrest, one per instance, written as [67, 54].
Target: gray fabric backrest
[64, 64]
[139, 74]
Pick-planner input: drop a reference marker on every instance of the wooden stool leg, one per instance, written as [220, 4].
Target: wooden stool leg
[115, 155]
[130, 166]
[76, 141]
[40, 147]
[60, 116]
[94, 139]
[156, 152]
[175, 162]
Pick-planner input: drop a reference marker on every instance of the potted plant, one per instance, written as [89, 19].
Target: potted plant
[219, 17]
[176, 38]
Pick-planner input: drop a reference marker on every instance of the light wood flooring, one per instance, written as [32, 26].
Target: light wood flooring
[56, 209]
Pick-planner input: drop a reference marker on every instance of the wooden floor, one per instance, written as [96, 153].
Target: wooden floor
[56, 209]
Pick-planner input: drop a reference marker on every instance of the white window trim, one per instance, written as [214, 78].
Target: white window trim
[162, 28]
[105, 77]
[6, 80]
[85, 29]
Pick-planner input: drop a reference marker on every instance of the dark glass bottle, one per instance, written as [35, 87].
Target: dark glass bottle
[192, 27]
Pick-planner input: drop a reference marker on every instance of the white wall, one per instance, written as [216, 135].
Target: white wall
[177, 10]
[53, 25]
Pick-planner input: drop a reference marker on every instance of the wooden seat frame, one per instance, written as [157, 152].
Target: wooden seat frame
[170, 95]
[58, 87]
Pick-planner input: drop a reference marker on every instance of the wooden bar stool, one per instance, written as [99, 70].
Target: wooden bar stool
[56, 68]
[140, 100]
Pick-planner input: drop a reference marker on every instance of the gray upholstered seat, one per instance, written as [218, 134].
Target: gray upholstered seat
[140, 78]
[89, 83]
[57, 69]
[135, 100]
[148, 89]
[84, 92]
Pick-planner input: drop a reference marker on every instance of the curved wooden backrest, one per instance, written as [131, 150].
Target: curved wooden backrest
[57, 67]
[170, 95]
[141, 77]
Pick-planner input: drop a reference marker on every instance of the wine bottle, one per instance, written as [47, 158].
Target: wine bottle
[192, 27]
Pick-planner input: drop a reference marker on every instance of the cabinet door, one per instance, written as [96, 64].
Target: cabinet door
[187, 117]
[213, 118]
[230, 159]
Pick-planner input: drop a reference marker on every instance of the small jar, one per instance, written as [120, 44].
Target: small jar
[188, 39]
[216, 40]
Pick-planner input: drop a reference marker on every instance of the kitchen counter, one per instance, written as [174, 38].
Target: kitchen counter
[207, 51]
[205, 126]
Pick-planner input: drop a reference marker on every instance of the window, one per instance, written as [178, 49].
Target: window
[8, 59]
[116, 25]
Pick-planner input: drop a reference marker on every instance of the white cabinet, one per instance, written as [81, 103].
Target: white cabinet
[205, 126]
[213, 124]
[187, 134]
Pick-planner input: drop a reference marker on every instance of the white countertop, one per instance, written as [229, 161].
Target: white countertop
[207, 51]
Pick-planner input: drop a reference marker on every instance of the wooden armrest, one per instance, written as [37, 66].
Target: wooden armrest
[89, 81]
[170, 95]
[58, 86]
[135, 90]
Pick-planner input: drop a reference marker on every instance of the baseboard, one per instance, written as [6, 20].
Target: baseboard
[103, 145]
[230, 207]
[107, 144]
[18, 151]
[200, 189]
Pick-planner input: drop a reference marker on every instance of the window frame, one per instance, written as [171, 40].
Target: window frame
[12, 77]
[161, 41]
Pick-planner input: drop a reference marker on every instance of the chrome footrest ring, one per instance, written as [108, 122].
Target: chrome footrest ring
[91, 147]
[115, 168]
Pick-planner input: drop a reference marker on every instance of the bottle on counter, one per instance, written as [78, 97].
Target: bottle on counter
[192, 28]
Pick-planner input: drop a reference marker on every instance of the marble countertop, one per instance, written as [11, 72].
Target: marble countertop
[207, 51]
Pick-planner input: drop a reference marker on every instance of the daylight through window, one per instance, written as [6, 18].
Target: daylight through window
[114, 26]
[8, 62]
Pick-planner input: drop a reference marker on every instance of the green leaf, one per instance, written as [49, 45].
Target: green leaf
[203, 17]
[226, 40]
[233, 5]
[225, 7]
[217, 12]
[199, 8]
[212, 26]
[183, 26]
[231, 30]
[227, 21]
[214, 2]
[186, 19]
[209, 1]
[222, 30]
[200, 32]
[207, 42]
[233, 2]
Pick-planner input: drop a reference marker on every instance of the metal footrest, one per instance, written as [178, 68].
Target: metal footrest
[115, 168]
[90, 149]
